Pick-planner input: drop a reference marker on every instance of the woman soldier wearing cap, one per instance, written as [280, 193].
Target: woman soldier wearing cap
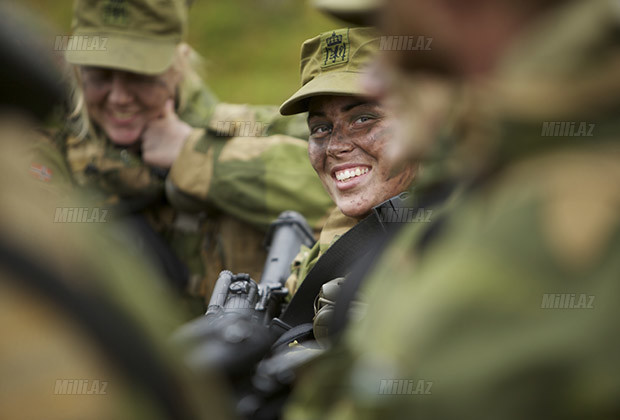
[138, 101]
[350, 134]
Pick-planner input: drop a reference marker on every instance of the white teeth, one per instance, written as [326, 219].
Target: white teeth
[348, 174]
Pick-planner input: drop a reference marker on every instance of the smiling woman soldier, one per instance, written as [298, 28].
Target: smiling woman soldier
[350, 135]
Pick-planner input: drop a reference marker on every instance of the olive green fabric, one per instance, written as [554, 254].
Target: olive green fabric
[251, 178]
[138, 36]
[331, 64]
[45, 346]
[465, 308]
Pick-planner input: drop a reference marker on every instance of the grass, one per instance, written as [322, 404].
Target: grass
[251, 46]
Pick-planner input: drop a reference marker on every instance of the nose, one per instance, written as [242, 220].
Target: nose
[119, 93]
[339, 143]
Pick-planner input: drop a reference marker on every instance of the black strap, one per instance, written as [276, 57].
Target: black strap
[337, 262]
[300, 332]
[431, 198]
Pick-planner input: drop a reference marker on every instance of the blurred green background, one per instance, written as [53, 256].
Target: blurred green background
[251, 46]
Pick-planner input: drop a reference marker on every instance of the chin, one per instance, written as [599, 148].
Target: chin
[354, 211]
[123, 138]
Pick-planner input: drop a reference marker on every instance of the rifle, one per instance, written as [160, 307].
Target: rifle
[233, 335]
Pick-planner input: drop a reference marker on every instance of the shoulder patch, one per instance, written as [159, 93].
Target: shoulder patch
[41, 172]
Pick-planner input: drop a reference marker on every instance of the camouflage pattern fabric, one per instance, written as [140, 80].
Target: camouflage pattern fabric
[50, 362]
[231, 235]
[251, 178]
[510, 310]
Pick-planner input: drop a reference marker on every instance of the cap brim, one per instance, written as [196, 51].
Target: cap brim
[124, 53]
[336, 83]
[358, 12]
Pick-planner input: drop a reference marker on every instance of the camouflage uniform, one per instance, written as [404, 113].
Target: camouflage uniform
[254, 178]
[475, 306]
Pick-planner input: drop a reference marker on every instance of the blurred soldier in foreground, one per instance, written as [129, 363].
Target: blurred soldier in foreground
[140, 104]
[506, 306]
[84, 334]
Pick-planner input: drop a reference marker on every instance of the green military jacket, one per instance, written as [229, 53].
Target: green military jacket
[230, 235]
[510, 310]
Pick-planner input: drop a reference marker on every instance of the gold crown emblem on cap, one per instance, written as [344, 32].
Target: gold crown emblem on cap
[334, 39]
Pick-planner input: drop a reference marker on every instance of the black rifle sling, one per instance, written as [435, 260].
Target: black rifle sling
[429, 199]
[337, 261]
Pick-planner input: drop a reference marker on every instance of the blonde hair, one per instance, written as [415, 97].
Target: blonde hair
[187, 64]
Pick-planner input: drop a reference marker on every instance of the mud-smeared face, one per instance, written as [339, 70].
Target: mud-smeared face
[348, 147]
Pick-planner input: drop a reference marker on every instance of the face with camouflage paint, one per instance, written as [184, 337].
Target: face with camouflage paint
[348, 148]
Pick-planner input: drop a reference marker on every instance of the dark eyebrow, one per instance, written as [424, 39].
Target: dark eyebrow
[315, 114]
[349, 107]
[345, 108]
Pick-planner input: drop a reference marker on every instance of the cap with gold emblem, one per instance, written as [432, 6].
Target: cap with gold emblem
[133, 35]
[331, 64]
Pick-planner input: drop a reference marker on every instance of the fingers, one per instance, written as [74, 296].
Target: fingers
[168, 110]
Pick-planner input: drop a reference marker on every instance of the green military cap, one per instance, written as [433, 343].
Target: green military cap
[331, 64]
[358, 12]
[133, 35]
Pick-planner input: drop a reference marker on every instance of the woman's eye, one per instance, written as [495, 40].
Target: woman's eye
[363, 119]
[98, 76]
[319, 130]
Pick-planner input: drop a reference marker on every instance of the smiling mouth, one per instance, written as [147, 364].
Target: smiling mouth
[122, 116]
[347, 175]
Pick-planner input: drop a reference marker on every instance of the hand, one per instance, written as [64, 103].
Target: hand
[164, 138]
